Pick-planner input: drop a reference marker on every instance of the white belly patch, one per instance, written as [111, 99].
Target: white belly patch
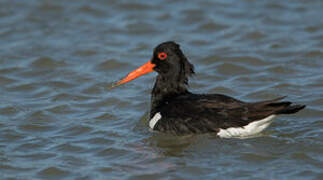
[154, 120]
[248, 130]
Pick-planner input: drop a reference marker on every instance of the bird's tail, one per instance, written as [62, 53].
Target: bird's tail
[291, 109]
[283, 107]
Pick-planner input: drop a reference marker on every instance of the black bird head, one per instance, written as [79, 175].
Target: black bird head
[168, 61]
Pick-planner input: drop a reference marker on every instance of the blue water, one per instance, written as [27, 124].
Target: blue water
[60, 120]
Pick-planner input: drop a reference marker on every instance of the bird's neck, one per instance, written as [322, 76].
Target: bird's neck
[165, 89]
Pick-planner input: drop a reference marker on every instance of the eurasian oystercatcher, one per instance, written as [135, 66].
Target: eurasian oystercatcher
[176, 110]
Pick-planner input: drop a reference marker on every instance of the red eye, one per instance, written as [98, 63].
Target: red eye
[162, 56]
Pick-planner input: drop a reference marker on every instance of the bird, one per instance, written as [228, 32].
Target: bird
[176, 110]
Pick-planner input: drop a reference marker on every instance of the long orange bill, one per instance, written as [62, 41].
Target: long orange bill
[144, 69]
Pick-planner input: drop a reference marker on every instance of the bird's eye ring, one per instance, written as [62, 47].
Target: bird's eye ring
[162, 55]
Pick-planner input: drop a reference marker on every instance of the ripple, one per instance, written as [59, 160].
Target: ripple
[200, 43]
[112, 153]
[85, 52]
[281, 70]
[260, 80]
[75, 161]
[97, 141]
[210, 60]
[70, 148]
[316, 53]
[61, 109]
[257, 158]
[9, 111]
[59, 84]
[108, 102]
[69, 97]
[288, 86]
[312, 29]
[23, 87]
[253, 36]
[261, 95]
[211, 27]
[13, 169]
[247, 61]
[46, 62]
[317, 102]
[40, 117]
[92, 11]
[39, 156]
[232, 69]
[5, 81]
[10, 70]
[141, 28]
[76, 130]
[106, 170]
[53, 173]
[36, 128]
[95, 89]
[33, 73]
[223, 90]
[313, 112]
[301, 156]
[11, 136]
[30, 147]
[47, 6]
[105, 116]
[111, 65]
[273, 5]
[134, 6]
[192, 15]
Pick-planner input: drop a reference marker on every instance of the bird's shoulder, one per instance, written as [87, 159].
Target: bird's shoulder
[200, 105]
[212, 101]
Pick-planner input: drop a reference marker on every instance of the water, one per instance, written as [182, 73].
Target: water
[60, 120]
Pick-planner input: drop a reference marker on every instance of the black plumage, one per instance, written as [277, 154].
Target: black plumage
[183, 112]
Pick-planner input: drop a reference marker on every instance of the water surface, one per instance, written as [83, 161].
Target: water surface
[59, 119]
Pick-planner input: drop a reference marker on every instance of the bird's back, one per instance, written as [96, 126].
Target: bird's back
[192, 113]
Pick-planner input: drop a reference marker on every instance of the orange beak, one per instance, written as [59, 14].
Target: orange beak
[144, 69]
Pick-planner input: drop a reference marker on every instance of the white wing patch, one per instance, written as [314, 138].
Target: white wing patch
[248, 130]
[154, 120]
